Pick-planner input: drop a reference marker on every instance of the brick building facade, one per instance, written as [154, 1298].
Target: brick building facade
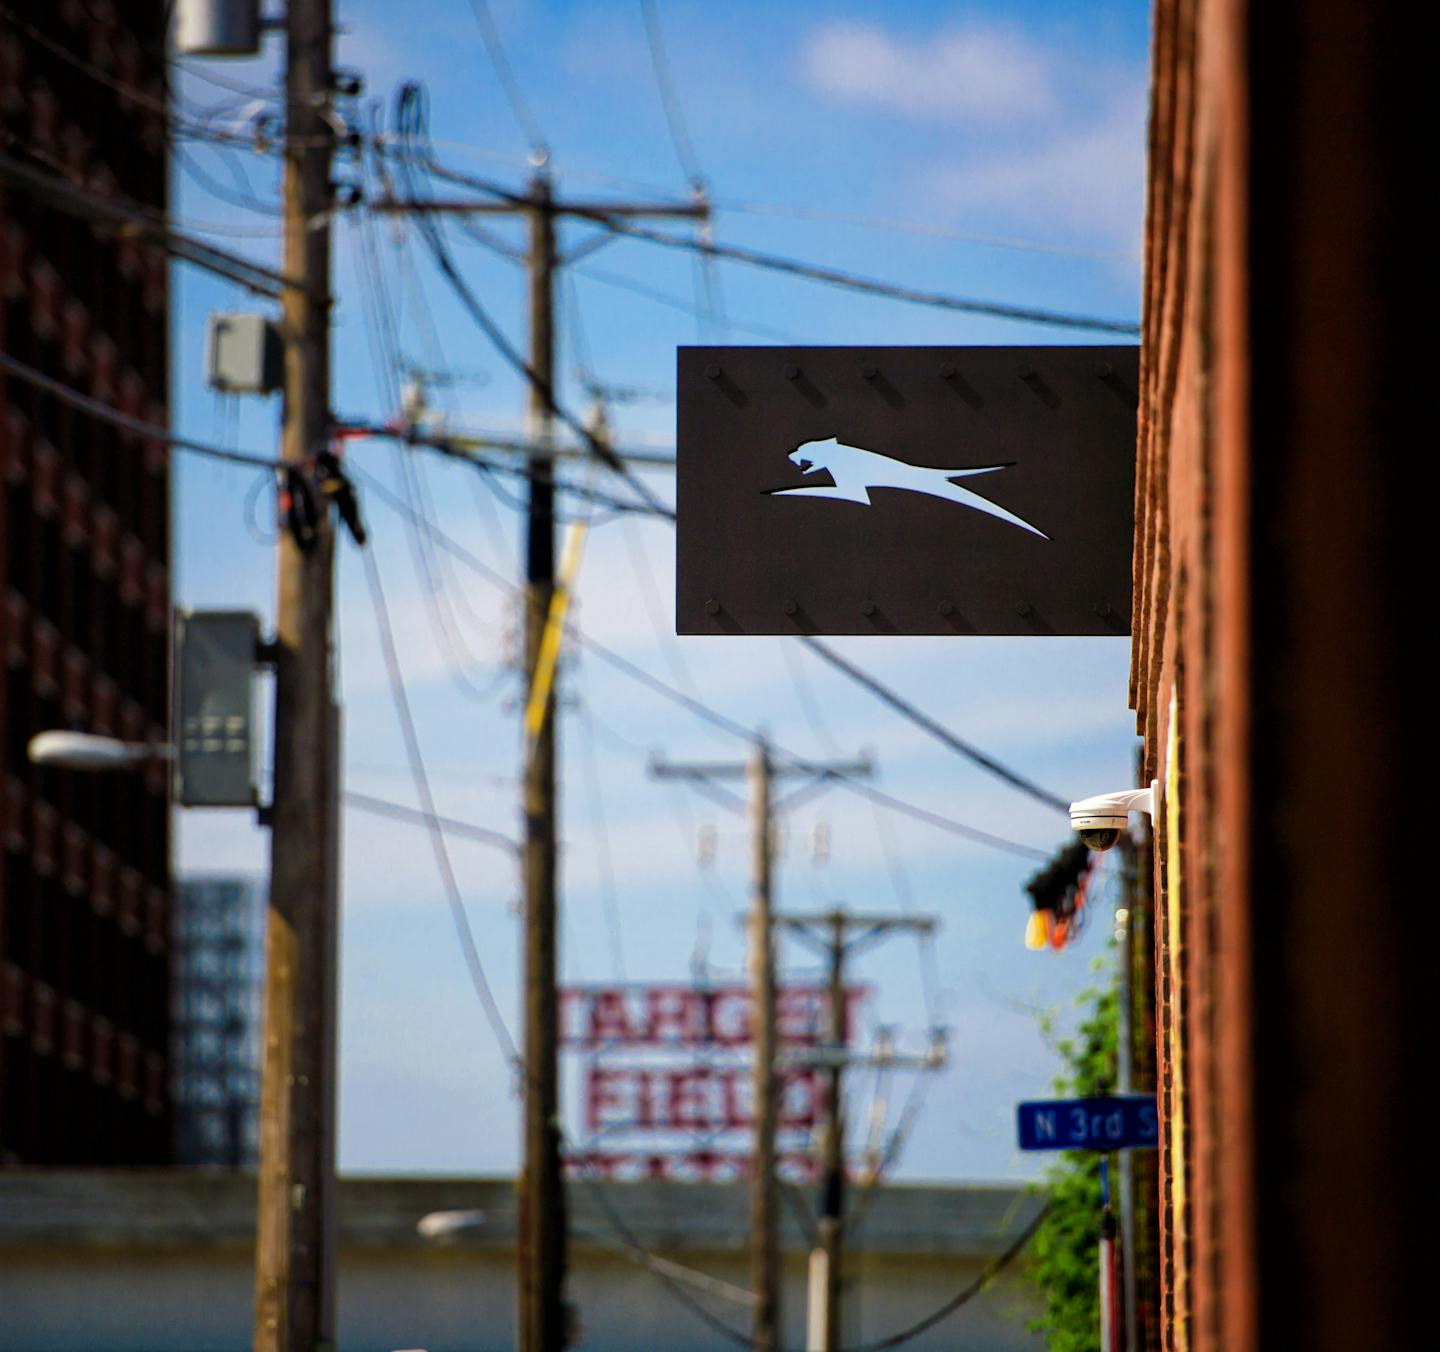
[1274, 675]
[84, 596]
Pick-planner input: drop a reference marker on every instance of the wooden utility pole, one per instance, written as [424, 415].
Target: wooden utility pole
[829, 933]
[294, 1279]
[541, 1239]
[764, 1186]
[761, 772]
[832, 1144]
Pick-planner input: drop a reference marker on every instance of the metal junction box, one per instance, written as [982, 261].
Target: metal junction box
[245, 354]
[215, 703]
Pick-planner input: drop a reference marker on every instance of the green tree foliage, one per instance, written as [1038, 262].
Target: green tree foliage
[1065, 1254]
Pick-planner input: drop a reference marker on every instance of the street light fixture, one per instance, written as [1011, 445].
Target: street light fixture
[86, 751]
[449, 1225]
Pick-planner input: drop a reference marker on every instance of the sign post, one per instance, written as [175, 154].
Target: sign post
[1103, 1122]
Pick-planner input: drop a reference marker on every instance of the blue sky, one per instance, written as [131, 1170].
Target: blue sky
[970, 124]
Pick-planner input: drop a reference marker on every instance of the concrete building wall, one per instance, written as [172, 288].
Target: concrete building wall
[164, 1263]
[1274, 677]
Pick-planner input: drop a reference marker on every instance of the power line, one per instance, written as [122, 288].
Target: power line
[949, 824]
[857, 219]
[198, 72]
[922, 228]
[717, 898]
[675, 303]
[437, 837]
[897, 702]
[178, 126]
[805, 698]
[463, 442]
[490, 35]
[935, 729]
[136, 95]
[453, 450]
[961, 1298]
[618, 1225]
[428, 816]
[383, 332]
[380, 807]
[413, 115]
[967, 1293]
[895, 864]
[609, 896]
[511, 354]
[158, 104]
[665, 638]
[669, 99]
[871, 683]
[813, 272]
[150, 431]
[736, 729]
[242, 197]
[116, 211]
[704, 711]
[892, 698]
[709, 306]
[876, 687]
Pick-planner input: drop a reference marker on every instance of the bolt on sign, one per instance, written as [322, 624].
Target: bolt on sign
[666, 1087]
[905, 490]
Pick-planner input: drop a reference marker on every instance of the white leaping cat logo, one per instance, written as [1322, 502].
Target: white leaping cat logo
[855, 471]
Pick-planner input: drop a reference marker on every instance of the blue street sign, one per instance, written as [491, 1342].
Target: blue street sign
[1106, 1122]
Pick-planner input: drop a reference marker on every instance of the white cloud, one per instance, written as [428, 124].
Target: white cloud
[1064, 138]
[1087, 175]
[975, 71]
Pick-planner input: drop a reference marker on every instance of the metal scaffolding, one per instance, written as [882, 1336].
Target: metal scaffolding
[219, 971]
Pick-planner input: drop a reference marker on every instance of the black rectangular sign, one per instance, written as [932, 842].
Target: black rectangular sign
[905, 490]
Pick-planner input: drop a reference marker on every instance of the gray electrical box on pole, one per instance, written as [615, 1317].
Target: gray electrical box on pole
[217, 27]
[244, 354]
[215, 653]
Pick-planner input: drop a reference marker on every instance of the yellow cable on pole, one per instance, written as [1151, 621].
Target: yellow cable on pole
[549, 655]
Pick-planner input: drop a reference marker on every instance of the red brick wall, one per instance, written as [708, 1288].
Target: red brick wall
[1272, 676]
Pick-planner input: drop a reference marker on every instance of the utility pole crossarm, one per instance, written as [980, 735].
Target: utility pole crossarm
[785, 769]
[878, 921]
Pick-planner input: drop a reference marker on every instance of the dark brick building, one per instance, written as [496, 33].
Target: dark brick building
[1277, 660]
[84, 595]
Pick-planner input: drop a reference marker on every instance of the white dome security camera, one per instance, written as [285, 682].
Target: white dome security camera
[1101, 819]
